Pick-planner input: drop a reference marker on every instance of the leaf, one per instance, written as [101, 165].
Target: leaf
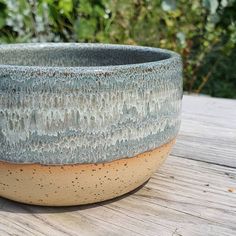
[2, 14]
[66, 6]
[168, 5]
[224, 3]
[53, 12]
[85, 7]
[48, 1]
[211, 5]
[100, 12]
[2, 22]
[214, 5]
[85, 29]
[214, 18]
[181, 37]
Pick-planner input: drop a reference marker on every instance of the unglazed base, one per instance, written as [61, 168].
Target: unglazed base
[66, 185]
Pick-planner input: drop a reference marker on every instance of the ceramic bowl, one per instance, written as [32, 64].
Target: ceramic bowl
[82, 123]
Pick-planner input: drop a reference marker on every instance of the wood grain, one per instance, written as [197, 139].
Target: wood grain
[194, 192]
[208, 130]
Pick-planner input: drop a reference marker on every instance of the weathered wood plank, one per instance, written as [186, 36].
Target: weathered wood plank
[208, 130]
[185, 197]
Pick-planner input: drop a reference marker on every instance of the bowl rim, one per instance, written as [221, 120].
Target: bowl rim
[64, 70]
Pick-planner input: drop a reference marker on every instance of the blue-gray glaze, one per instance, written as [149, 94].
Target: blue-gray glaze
[86, 103]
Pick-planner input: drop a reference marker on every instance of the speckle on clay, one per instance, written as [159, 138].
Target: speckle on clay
[72, 186]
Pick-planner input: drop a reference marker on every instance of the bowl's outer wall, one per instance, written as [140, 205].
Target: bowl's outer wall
[55, 118]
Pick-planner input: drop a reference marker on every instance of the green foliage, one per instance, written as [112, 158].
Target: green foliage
[202, 31]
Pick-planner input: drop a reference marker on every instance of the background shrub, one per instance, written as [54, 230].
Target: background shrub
[203, 32]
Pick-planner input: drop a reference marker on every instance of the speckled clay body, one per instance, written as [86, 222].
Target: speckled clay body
[71, 114]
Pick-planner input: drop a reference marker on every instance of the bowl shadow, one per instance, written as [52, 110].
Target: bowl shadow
[7, 205]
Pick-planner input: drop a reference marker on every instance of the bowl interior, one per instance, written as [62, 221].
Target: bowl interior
[77, 55]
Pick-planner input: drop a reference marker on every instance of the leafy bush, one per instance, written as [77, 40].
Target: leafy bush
[203, 32]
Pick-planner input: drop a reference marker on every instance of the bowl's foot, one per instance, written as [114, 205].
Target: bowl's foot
[66, 185]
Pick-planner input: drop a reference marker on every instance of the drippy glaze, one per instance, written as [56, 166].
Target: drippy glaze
[60, 112]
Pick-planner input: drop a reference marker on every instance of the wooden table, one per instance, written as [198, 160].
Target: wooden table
[194, 192]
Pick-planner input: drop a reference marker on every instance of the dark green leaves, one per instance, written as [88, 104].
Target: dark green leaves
[202, 31]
